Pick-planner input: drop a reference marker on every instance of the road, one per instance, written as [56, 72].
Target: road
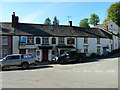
[98, 74]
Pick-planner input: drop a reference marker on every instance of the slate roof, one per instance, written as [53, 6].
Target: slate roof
[53, 30]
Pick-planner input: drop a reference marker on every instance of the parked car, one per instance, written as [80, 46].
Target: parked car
[70, 57]
[20, 60]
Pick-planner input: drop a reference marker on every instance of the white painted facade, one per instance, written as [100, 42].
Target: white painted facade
[78, 44]
[115, 29]
[92, 45]
[15, 45]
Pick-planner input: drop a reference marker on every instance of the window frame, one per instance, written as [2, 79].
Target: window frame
[5, 41]
[4, 54]
[39, 40]
[30, 38]
[85, 40]
[45, 40]
[61, 40]
[98, 40]
[71, 42]
[98, 50]
[53, 40]
[86, 49]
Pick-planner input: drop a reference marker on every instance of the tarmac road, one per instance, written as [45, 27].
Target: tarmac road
[98, 74]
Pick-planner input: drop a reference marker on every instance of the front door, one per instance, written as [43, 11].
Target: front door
[45, 55]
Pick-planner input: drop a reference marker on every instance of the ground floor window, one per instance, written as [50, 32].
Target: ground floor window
[32, 51]
[4, 52]
[98, 49]
[86, 49]
[22, 51]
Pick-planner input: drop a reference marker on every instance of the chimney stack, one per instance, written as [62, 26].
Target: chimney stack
[70, 23]
[15, 20]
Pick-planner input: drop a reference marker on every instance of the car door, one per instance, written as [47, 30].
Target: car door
[13, 60]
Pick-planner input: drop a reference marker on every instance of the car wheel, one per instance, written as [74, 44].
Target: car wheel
[25, 65]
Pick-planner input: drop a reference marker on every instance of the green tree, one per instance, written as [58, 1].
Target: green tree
[47, 21]
[84, 23]
[94, 19]
[113, 13]
[55, 21]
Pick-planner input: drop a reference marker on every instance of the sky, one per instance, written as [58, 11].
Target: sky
[37, 12]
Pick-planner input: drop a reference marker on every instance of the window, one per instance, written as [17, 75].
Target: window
[85, 40]
[30, 40]
[98, 40]
[60, 40]
[13, 57]
[5, 40]
[4, 52]
[98, 49]
[32, 52]
[86, 49]
[45, 40]
[38, 40]
[53, 40]
[70, 41]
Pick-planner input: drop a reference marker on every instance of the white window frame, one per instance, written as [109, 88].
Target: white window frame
[98, 40]
[30, 39]
[86, 49]
[61, 40]
[72, 42]
[4, 40]
[45, 40]
[86, 40]
[98, 50]
[4, 52]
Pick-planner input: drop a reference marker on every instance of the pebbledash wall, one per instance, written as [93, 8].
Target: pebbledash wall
[105, 43]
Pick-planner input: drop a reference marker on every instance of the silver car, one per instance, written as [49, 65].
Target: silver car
[21, 60]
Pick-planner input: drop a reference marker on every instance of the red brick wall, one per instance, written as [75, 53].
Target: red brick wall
[9, 46]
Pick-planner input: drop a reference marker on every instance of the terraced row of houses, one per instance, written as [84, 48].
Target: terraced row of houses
[47, 41]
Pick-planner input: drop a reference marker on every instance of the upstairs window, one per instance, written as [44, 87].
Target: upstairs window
[38, 40]
[70, 41]
[98, 40]
[45, 40]
[61, 40]
[30, 40]
[4, 40]
[53, 40]
[86, 40]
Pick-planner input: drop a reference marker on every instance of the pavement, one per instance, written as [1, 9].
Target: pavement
[100, 73]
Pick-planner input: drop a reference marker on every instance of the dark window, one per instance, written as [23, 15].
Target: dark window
[53, 40]
[70, 41]
[13, 57]
[86, 40]
[38, 40]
